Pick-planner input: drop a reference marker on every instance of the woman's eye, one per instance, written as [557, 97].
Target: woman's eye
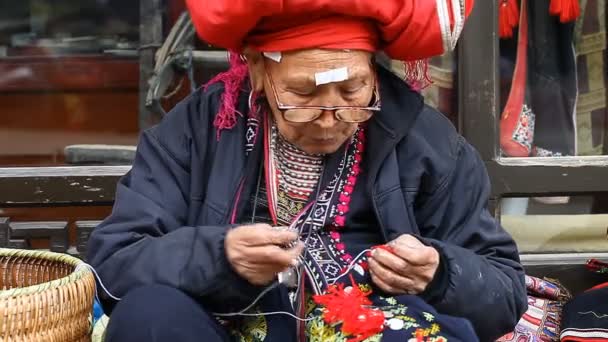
[353, 89]
[301, 92]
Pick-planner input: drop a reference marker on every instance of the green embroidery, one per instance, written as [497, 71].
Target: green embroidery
[395, 310]
[429, 317]
[375, 338]
[252, 329]
[391, 301]
[318, 331]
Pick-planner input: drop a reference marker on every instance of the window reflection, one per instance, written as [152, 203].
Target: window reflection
[69, 78]
[556, 224]
[441, 94]
[553, 80]
[59, 27]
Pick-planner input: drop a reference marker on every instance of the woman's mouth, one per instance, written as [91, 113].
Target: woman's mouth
[324, 140]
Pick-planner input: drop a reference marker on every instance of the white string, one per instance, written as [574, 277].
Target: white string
[85, 265]
[255, 301]
[351, 266]
[277, 313]
[242, 312]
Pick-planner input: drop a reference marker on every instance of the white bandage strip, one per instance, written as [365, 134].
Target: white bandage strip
[333, 75]
[275, 56]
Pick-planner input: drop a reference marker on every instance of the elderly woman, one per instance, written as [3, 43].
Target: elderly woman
[257, 195]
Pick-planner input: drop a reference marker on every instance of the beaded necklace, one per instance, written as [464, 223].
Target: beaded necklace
[298, 172]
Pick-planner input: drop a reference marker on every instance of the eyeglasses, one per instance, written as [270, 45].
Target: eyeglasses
[302, 114]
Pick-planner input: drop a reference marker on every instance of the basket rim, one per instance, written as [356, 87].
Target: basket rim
[76, 275]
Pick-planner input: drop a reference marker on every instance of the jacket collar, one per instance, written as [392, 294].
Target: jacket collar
[400, 109]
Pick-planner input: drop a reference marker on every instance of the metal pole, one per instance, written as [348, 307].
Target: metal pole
[150, 37]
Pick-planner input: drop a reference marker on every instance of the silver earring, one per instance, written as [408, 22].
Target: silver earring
[250, 101]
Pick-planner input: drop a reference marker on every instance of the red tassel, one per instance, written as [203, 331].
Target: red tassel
[233, 80]
[351, 308]
[417, 74]
[508, 18]
[567, 10]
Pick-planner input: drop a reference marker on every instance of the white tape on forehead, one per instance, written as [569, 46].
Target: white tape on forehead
[333, 75]
[275, 56]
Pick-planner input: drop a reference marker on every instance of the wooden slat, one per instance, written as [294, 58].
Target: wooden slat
[4, 231]
[68, 73]
[83, 231]
[55, 231]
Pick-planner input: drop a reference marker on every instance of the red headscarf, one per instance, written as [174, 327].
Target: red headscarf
[406, 30]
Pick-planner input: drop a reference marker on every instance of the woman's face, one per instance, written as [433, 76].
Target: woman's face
[295, 85]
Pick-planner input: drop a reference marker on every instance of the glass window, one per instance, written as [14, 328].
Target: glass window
[554, 71]
[442, 93]
[69, 80]
[576, 224]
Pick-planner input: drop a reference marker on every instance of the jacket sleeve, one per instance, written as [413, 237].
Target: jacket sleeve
[484, 280]
[145, 241]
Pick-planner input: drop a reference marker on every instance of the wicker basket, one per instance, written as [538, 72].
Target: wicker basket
[43, 297]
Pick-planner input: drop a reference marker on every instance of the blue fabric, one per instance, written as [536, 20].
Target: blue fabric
[173, 208]
[97, 311]
[162, 313]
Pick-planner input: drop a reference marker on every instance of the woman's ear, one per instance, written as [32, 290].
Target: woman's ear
[255, 63]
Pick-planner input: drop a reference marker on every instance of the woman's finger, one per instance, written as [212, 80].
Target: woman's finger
[390, 261]
[383, 285]
[263, 234]
[420, 256]
[271, 254]
[389, 277]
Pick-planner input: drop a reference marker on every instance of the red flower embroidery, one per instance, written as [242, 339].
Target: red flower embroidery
[340, 220]
[347, 257]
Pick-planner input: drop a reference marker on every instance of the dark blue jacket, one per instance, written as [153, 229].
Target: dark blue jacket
[420, 177]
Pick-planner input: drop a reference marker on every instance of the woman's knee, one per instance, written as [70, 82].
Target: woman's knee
[157, 312]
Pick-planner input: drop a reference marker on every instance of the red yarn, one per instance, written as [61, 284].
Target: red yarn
[351, 307]
[567, 10]
[508, 17]
[417, 74]
[233, 80]
[384, 247]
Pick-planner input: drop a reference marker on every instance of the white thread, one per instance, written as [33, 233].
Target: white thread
[255, 301]
[351, 266]
[278, 313]
[594, 314]
[85, 265]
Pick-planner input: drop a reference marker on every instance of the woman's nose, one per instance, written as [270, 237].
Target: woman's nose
[326, 120]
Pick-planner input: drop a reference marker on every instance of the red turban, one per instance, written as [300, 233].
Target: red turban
[406, 30]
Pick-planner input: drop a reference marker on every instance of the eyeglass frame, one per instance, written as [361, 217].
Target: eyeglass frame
[282, 107]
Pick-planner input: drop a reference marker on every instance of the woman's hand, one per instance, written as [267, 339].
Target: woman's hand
[257, 252]
[407, 269]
